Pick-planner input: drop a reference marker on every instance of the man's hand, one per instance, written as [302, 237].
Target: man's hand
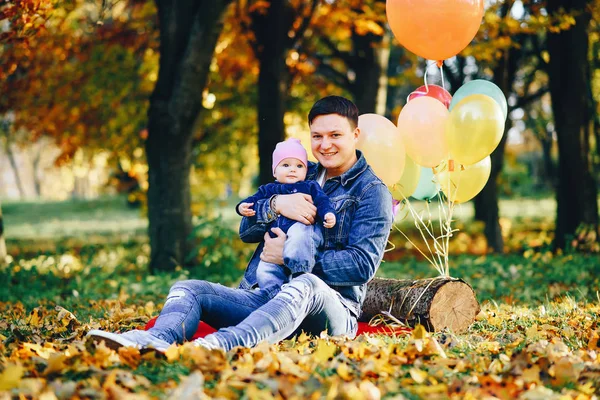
[273, 250]
[297, 206]
[329, 220]
[245, 210]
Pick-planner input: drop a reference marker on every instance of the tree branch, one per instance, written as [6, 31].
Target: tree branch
[244, 23]
[344, 56]
[304, 25]
[338, 77]
[455, 79]
[535, 40]
[525, 100]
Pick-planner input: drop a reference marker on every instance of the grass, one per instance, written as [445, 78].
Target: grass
[39, 220]
[97, 238]
[110, 215]
[55, 220]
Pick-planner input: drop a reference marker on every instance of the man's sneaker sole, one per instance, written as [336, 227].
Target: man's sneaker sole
[111, 340]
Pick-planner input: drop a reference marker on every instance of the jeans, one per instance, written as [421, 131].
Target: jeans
[299, 253]
[247, 317]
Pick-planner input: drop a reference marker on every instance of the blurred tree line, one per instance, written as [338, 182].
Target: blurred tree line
[199, 83]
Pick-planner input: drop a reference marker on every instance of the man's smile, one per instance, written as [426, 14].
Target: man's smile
[329, 154]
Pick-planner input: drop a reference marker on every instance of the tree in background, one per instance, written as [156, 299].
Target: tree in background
[351, 47]
[75, 72]
[274, 29]
[224, 150]
[188, 34]
[3, 253]
[572, 106]
[594, 35]
[7, 136]
[506, 53]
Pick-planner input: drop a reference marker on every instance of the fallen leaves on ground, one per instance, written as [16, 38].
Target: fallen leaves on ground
[549, 352]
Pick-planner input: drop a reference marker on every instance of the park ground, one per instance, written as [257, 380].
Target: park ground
[82, 265]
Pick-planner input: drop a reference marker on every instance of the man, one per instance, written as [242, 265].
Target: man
[328, 298]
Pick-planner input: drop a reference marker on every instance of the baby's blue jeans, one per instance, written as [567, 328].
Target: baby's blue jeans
[299, 253]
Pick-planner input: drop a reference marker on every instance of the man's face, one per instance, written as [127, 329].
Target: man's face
[290, 170]
[333, 143]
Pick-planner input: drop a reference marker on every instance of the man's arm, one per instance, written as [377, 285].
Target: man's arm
[357, 263]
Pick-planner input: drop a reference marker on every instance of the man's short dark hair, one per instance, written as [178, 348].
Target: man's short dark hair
[335, 105]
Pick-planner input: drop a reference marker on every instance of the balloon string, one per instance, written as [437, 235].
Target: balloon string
[441, 64]
[425, 79]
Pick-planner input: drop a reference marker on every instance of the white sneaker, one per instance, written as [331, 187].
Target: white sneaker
[137, 338]
[201, 342]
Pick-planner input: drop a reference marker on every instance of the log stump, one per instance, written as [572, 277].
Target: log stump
[435, 303]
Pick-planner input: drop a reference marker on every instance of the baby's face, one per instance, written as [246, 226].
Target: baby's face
[290, 170]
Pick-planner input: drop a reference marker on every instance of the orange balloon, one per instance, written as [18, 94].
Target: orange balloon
[382, 146]
[422, 125]
[434, 29]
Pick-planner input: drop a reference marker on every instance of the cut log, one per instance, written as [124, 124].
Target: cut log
[436, 303]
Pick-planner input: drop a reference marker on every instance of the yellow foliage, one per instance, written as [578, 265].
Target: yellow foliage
[10, 378]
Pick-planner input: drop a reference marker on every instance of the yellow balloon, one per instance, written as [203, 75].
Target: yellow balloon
[382, 146]
[474, 129]
[461, 183]
[408, 182]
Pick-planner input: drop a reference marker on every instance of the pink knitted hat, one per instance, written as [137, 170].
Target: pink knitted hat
[291, 148]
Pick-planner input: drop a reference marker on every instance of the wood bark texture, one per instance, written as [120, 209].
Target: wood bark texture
[436, 303]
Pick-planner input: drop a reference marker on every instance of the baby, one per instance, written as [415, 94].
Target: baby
[289, 169]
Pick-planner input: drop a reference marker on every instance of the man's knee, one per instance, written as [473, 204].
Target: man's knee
[310, 282]
[191, 287]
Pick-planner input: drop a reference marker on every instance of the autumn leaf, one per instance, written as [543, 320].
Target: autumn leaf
[11, 376]
[324, 351]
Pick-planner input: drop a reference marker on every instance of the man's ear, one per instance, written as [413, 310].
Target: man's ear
[356, 133]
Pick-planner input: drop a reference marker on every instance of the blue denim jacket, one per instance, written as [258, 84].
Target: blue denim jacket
[354, 247]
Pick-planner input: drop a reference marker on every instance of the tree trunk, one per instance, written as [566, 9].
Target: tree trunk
[486, 202]
[383, 54]
[272, 43]
[549, 174]
[15, 168]
[189, 30]
[435, 303]
[569, 80]
[366, 64]
[3, 253]
[37, 184]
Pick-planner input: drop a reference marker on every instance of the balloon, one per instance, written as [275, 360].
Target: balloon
[382, 146]
[408, 182]
[434, 29]
[428, 186]
[421, 124]
[435, 91]
[463, 182]
[480, 86]
[474, 129]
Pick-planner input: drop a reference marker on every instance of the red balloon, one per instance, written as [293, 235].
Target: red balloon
[435, 91]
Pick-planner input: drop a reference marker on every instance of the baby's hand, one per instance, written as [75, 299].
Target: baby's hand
[329, 220]
[245, 210]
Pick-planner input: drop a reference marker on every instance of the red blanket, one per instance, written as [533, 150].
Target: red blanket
[363, 327]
